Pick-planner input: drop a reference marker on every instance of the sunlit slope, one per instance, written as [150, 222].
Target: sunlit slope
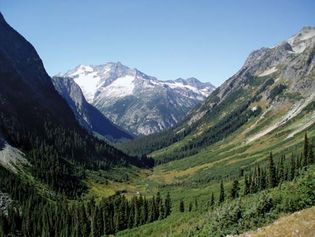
[301, 223]
[270, 92]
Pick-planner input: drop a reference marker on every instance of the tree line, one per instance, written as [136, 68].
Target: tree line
[31, 214]
[269, 175]
[59, 156]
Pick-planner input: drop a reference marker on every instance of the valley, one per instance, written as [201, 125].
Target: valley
[106, 150]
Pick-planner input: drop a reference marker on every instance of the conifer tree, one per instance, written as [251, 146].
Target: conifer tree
[272, 179]
[158, 204]
[190, 206]
[306, 152]
[281, 170]
[168, 205]
[246, 185]
[153, 213]
[311, 159]
[181, 206]
[196, 204]
[292, 167]
[263, 182]
[212, 200]
[221, 198]
[235, 189]
[161, 211]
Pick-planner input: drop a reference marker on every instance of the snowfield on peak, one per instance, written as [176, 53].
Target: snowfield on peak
[121, 87]
[140, 103]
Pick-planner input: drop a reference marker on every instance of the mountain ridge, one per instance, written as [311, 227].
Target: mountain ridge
[140, 103]
[275, 83]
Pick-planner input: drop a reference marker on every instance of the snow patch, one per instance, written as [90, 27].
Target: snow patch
[121, 87]
[268, 72]
[89, 84]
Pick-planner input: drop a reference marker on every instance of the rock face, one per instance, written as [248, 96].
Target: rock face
[135, 101]
[88, 116]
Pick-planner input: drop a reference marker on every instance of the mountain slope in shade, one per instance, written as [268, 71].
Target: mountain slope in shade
[88, 116]
[135, 101]
[33, 115]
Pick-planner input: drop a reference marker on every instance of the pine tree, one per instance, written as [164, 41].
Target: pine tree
[306, 150]
[168, 205]
[152, 210]
[311, 159]
[212, 201]
[196, 204]
[272, 179]
[190, 206]
[246, 186]
[145, 211]
[131, 216]
[162, 211]
[235, 189]
[281, 170]
[221, 198]
[292, 168]
[263, 182]
[158, 202]
[181, 206]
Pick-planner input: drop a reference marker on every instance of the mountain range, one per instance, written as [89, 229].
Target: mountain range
[139, 103]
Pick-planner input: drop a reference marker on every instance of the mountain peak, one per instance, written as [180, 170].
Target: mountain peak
[306, 33]
[300, 41]
[117, 90]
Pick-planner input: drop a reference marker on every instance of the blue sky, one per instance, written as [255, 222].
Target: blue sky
[168, 39]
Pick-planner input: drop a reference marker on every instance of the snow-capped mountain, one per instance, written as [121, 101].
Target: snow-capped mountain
[140, 103]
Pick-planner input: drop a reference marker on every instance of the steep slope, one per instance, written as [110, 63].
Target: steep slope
[35, 119]
[273, 88]
[87, 115]
[135, 101]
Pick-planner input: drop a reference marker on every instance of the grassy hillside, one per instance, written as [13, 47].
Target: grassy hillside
[193, 179]
[254, 210]
[301, 223]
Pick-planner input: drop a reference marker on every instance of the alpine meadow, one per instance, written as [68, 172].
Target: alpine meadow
[94, 148]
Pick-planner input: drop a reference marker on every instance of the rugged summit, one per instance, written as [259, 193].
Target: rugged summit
[135, 101]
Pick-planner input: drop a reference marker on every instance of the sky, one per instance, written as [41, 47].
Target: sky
[168, 39]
